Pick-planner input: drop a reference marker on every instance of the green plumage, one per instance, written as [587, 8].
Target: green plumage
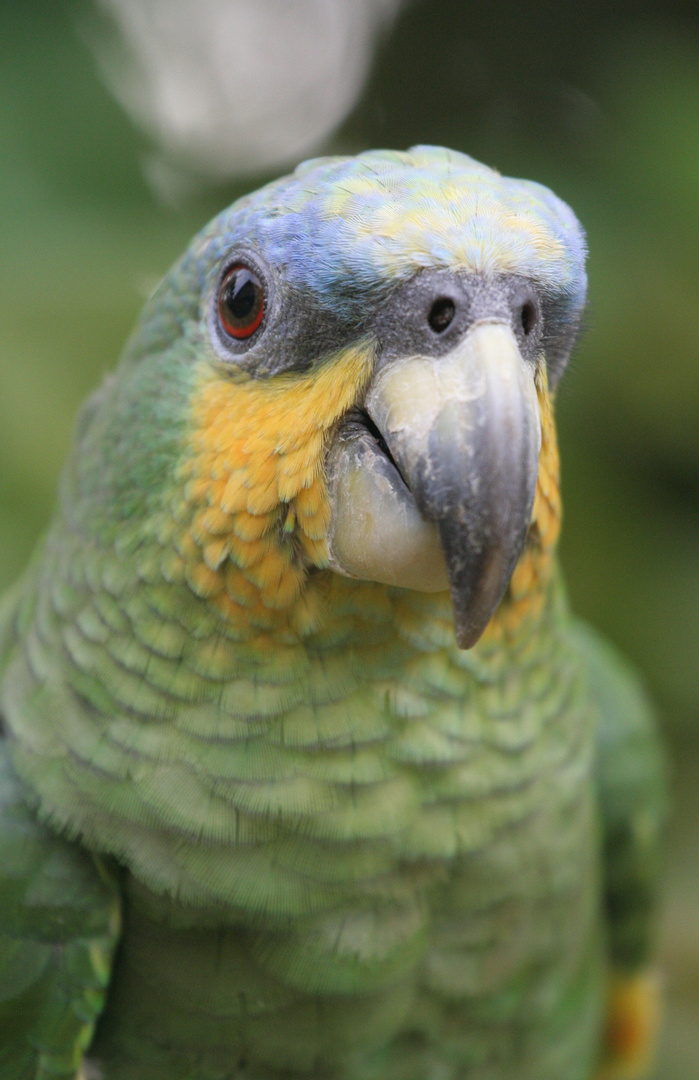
[350, 851]
[59, 925]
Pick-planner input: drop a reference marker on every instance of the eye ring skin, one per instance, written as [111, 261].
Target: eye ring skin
[233, 350]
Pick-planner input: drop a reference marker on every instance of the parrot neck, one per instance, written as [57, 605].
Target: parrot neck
[216, 690]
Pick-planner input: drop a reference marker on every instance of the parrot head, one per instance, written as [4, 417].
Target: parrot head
[349, 372]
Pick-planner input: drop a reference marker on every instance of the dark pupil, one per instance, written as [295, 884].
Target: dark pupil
[528, 316]
[242, 295]
[441, 314]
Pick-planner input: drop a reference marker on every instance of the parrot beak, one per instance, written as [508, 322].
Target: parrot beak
[435, 490]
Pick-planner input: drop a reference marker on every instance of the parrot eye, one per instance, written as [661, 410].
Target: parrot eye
[241, 302]
[527, 317]
[441, 314]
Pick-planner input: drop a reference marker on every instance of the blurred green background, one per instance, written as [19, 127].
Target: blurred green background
[600, 102]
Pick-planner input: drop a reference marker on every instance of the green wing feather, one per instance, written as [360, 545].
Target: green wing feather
[631, 785]
[59, 924]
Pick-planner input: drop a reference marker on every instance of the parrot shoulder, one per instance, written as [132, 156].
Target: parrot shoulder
[59, 925]
[10, 603]
[16, 608]
[631, 786]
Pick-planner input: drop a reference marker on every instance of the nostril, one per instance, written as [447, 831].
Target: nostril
[527, 316]
[441, 314]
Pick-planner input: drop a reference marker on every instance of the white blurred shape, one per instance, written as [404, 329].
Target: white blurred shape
[227, 87]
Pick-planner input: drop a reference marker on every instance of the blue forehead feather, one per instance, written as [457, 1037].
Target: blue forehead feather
[341, 226]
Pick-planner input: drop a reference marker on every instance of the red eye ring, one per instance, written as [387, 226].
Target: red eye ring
[241, 301]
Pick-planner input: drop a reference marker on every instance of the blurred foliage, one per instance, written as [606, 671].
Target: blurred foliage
[598, 101]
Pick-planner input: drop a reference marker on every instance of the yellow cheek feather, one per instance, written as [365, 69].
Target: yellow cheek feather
[525, 596]
[256, 506]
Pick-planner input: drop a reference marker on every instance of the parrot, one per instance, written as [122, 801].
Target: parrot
[306, 768]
